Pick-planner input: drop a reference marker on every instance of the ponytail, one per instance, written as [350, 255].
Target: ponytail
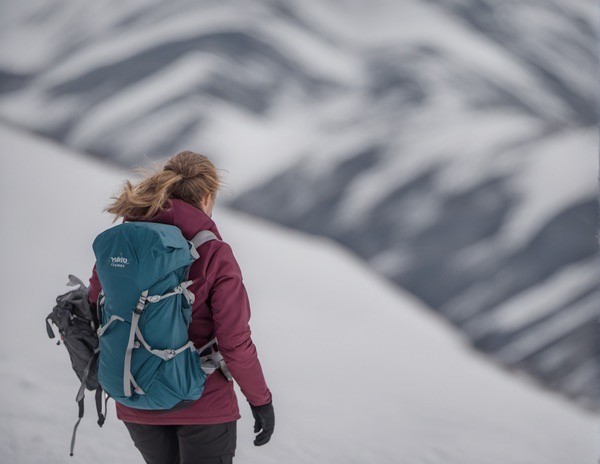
[187, 176]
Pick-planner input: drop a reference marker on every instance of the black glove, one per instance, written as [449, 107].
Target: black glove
[264, 419]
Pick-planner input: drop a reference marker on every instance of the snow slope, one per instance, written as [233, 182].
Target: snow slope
[361, 372]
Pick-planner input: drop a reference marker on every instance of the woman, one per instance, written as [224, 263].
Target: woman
[183, 194]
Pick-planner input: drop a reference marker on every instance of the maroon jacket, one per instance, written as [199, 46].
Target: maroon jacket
[221, 309]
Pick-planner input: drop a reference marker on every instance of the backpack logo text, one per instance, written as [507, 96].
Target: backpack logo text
[118, 261]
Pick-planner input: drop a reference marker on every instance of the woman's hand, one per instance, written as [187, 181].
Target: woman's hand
[264, 419]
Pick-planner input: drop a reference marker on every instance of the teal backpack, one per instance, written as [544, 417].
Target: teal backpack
[146, 360]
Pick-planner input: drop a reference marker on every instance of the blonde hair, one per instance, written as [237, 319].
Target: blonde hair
[188, 176]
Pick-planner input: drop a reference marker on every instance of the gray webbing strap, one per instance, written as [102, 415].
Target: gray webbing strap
[112, 319]
[200, 238]
[136, 387]
[165, 354]
[181, 288]
[127, 377]
[214, 360]
[207, 345]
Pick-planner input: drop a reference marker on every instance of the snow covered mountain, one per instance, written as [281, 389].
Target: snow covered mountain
[450, 144]
[397, 383]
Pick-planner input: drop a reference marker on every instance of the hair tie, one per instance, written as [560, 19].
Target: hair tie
[183, 176]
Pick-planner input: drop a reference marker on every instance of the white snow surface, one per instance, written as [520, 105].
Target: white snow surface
[360, 371]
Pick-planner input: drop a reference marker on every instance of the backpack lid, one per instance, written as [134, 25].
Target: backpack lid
[131, 257]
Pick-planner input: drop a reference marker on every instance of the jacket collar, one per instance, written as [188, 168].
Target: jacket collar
[188, 218]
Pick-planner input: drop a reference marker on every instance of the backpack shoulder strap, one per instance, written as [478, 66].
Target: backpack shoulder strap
[202, 237]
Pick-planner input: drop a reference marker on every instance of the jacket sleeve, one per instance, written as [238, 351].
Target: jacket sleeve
[230, 306]
[94, 287]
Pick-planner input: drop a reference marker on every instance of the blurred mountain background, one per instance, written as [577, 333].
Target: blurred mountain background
[451, 145]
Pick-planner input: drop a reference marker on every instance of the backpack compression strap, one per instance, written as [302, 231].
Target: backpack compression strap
[127, 377]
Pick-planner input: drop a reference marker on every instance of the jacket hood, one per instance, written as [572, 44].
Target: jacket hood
[188, 218]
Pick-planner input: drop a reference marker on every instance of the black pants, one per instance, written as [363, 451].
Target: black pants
[185, 444]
